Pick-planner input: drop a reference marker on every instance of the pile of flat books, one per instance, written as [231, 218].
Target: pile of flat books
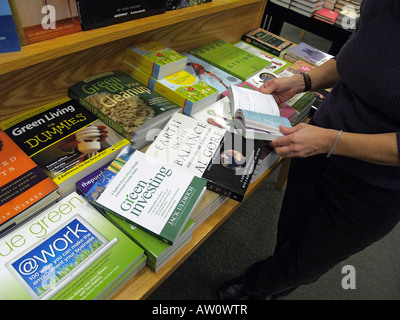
[68, 252]
[306, 7]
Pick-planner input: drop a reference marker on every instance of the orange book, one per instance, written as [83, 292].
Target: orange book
[24, 187]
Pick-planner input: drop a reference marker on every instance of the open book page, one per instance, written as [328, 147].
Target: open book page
[246, 99]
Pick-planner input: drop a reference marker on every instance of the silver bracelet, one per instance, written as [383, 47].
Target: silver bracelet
[334, 144]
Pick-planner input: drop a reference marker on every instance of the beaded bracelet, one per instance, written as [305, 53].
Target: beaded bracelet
[334, 144]
[307, 81]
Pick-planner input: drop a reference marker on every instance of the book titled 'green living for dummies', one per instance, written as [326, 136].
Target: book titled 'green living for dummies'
[67, 252]
[231, 59]
[152, 195]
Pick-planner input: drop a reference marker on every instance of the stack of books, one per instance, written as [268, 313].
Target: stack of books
[353, 5]
[24, 187]
[154, 65]
[306, 7]
[65, 140]
[149, 193]
[68, 252]
[330, 4]
[158, 252]
[348, 13]
[283, 3]
[326, 15]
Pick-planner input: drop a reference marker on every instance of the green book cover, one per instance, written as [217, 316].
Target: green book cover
[277, 64]
[123, 103]
[234, 60]
[150, 194]
[67, 252]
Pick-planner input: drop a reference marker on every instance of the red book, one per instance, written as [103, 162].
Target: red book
[326, 15]
[24, 187]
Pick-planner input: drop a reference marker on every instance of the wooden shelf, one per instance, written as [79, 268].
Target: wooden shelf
[42, 72]
[62, 46]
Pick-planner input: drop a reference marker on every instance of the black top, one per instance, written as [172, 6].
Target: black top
[367, 97]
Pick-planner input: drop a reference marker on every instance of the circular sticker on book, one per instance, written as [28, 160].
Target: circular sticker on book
[265, 76]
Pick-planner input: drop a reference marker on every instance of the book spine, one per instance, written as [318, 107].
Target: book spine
[223, 191]
[261, 45]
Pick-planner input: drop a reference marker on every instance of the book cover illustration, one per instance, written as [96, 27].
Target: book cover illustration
[23, 185]
[100, 13]
[9, 41]
[185, 90]
[210, 74]
[217, 114]
[68, 252]
[231, 59]
[148, 193]
[225, 159]
[156, 59]
[123, 103]
[38, 20]
[63, 139]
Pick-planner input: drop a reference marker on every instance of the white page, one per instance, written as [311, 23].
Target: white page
[248, 99]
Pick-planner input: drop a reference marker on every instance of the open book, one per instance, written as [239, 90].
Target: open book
[256, 114]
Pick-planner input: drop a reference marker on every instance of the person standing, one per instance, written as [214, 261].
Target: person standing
[343, 188]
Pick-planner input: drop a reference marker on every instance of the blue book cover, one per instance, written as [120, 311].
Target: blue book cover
[9, 41]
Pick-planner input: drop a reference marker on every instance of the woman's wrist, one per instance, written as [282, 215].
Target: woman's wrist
[298, 83]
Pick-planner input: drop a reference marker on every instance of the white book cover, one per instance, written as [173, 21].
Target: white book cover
[151, 194]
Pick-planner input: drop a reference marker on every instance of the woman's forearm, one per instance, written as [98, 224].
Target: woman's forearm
[376, 148]
[322, 77]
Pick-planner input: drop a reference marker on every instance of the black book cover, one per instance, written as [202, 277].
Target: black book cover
[100, 13]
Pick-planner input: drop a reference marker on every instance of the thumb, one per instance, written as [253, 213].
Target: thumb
[268, 87]
[288, 130]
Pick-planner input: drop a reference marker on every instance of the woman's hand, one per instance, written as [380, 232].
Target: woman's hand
[282, 89]
[304, 140]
